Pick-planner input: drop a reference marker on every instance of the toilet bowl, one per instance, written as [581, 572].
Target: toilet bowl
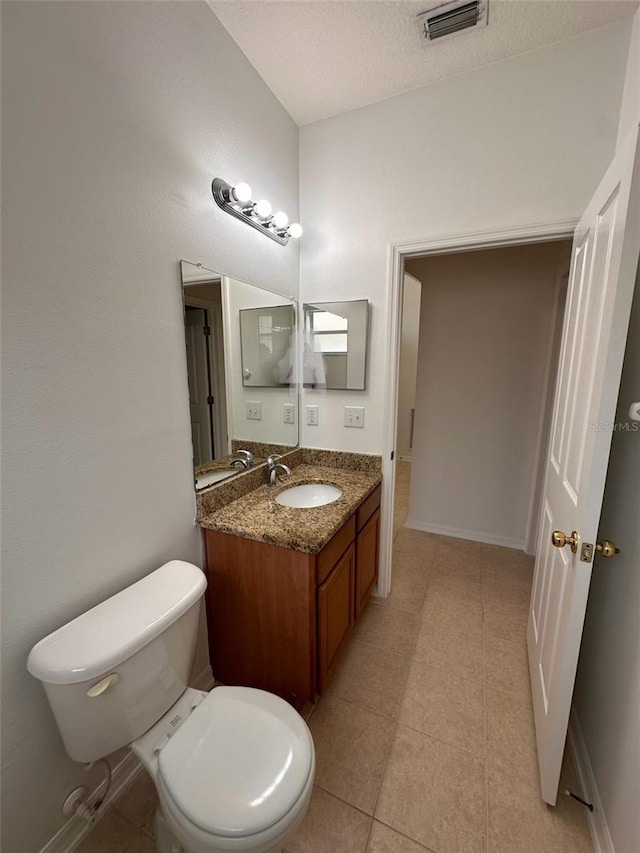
[235, 774]
[233, 768]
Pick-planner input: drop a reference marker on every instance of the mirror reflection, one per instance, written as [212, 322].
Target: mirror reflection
[236, 424]
[266, 337]
[335, 345]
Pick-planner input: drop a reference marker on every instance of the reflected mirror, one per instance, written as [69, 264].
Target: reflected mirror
[227, 413]
[335, 345]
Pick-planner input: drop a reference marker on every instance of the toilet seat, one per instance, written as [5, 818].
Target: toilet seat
[237, 767]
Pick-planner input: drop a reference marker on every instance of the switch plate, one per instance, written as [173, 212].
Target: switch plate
[253, 410]
[312, 415]
[289, 413]
[354, 416]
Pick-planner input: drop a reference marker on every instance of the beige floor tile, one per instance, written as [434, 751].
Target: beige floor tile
[456, 586]
[416, 541]
[446, 707]
[511, 740]
[520, 822]
[370, 677]
[408, 586]
[434, 793]
[139, 801]
[506, 667]
[383, 839]
[441, 608]
[387, 628]
[351, 744]
[451, 639]
[504, 593]
[504, 624]
[115, 834]
[330, 826]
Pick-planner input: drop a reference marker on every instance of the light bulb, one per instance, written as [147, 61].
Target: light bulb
[280, 219]
[241, 192]
[262, 208]
[295, 230]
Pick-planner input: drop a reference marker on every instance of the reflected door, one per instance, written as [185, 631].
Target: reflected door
[197, 333]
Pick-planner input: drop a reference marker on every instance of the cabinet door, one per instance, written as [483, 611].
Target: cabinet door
[367, 561]
[335, 614]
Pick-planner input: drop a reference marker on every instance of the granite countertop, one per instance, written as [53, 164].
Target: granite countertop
[256, 515]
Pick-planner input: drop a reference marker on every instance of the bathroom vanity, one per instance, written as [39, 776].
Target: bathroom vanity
[286, 584]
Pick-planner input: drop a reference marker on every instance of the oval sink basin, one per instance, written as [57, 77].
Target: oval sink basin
[309, 495]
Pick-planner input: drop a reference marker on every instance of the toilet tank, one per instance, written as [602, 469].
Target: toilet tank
[114, 671]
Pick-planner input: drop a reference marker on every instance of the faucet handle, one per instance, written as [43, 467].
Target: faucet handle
[271, 460]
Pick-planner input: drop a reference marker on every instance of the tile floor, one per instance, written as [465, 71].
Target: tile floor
[425, 739]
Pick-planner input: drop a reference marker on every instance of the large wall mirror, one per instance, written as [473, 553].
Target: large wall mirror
[335, 345]
[237, 332]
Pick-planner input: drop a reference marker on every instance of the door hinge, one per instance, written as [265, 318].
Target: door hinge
[210, 400]
[206, 330]
[392, 454]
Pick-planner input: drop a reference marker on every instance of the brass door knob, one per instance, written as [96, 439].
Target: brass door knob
[560, 539]
[607, 548]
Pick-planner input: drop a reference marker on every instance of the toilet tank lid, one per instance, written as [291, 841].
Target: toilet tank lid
[102, 638]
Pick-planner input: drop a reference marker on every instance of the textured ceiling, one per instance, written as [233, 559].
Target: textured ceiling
[323, 57]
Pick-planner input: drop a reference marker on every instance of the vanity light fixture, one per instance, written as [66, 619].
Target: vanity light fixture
[236, 200]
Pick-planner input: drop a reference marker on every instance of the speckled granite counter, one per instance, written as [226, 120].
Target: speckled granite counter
[256, 515]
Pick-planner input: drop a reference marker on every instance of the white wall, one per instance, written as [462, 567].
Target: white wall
[486, 323]
[607, 694]
[630, 108]
[408, 364]
[116, 117]
[521, 141]
[237, 296]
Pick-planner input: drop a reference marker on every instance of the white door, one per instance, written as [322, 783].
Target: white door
[601, 280]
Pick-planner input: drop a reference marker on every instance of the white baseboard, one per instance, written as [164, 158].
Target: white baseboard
[76, 828]
[472, 535]
[600, 834]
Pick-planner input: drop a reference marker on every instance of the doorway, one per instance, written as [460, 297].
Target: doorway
[478, 347]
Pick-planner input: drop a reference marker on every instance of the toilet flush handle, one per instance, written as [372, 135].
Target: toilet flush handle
[104, 684]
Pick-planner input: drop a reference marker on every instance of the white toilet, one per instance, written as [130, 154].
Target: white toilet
[233, 768]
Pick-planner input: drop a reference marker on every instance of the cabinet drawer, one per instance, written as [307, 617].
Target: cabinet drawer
[368, 507]
[330, 554]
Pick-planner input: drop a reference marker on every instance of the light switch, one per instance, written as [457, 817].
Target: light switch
[312, 415]
[289, 413]
[354, 416]
[253, 410]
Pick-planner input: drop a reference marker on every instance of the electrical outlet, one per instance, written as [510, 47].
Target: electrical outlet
[289, 413]
[253, 410]
[312, 415]
[354, 416]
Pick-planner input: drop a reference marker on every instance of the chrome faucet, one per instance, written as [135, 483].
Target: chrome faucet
[245, 460]
[273, 467]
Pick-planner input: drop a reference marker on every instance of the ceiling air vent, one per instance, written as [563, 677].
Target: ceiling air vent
[453, 17]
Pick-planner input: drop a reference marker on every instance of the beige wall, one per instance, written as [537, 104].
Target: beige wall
[485, 333]
[116, 117]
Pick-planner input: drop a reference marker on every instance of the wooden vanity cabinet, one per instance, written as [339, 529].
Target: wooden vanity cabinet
[278, 618]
